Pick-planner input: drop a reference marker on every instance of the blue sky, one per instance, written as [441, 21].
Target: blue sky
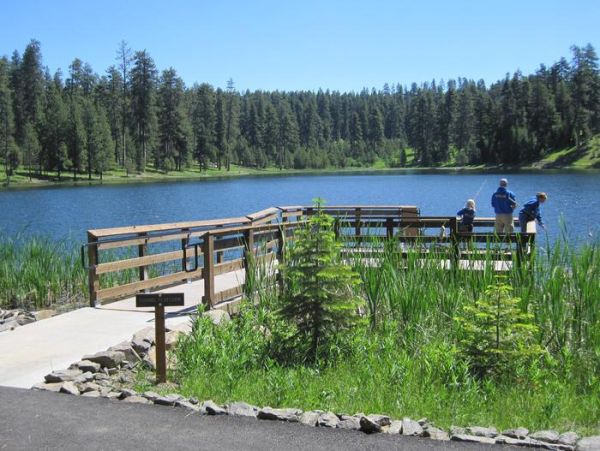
[306, 45]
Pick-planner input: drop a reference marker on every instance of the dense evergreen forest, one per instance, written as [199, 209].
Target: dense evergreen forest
[131, 116]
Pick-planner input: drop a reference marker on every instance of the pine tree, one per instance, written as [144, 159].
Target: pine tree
[143, 81]
[7, 144]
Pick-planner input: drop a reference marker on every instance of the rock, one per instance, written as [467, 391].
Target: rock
[482, 432]
[589, 443]
[369, 426]
[411, 427]
[241, 409]
[171, 339]
[127, 392]
[84, 377]
[125, 378]
[311, 417]
[91, 394]
[194, 400]
[518, 433]
[44, 314]
[88, 387]
[211, 408]
[113, 395]
[168, 400]
[101, 377]
[113, 371]
[348, 422]
[436, 433]
[150, 395]
[141, 346]
[146, 334]
[86, 365]
[62, 375]
[381, 420]
[150, 358]
[25, 319]
[218, 316]
[472, 439]
[506, 440]
[546, 436]
[423, 422]
[328, 420]
[126, 348]
[457, 430]
[268, 413]
[69, 388]
[186, 405]
[52, 386]
[395, 427]
[137, 399]
[106, 359]
[568, 438]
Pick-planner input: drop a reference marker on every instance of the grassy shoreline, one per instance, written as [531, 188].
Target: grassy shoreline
[569, 160]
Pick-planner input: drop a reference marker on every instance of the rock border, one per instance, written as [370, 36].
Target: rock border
[103, 375]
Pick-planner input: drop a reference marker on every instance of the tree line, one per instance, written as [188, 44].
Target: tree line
[132, 116]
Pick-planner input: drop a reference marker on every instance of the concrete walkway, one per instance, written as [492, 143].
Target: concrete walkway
[30, 352]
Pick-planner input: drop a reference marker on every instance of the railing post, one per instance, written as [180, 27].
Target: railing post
[93, 279]
[280, 255]
[208, 272]
[249, 249]
[454, 243]
[389, 227]
[184, 243]
[142, 251]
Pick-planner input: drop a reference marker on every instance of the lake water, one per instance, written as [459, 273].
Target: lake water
[67, 212]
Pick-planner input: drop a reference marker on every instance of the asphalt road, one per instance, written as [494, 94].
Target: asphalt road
[32, 420]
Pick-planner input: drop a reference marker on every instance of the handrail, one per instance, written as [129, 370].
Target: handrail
[222, 245]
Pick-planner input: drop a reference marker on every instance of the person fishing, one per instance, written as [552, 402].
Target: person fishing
[531, 211]
[504, 203]
[467, 215]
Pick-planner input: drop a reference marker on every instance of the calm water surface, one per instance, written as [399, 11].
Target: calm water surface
[65, 212]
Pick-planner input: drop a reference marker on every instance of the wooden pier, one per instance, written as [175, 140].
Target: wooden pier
[208, 259]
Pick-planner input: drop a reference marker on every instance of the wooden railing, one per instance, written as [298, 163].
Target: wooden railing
[123, 261]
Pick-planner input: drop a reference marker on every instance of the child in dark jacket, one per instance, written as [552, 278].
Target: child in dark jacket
[466, 215]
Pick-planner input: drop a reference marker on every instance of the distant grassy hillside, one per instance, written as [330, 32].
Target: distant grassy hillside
[588, 157]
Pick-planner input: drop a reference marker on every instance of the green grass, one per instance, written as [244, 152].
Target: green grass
[407, 361]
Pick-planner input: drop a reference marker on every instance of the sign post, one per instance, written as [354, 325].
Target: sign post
[159, 301]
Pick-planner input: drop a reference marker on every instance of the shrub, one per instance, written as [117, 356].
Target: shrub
[496, 335]
[318, 297]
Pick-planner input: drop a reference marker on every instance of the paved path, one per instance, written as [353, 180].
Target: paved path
[30, 352]
[32, 420]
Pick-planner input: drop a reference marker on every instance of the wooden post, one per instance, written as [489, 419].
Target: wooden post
[142, 251]
[93, 279]
[184, 243]
[208, 272]
[249, 248]
[389, 227]
[280, 255]
[454, 243]
[159, 338]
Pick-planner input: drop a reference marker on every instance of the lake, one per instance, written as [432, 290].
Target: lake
[67, 212]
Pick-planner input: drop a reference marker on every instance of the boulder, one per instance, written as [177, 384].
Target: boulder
[546, 436]
[146, 334]
[436, 433]
[518, 433]
[472, 439]
[171, 339]
[482, 431]
[185, 327]
[106, 359]
[69, 388]
[411, 427]
[328, 420]
[88, 387]
[311, 417]
[91, 394]
[369, 426]
[187, 405]
[589, 443]
[125, 347]
[127, 392]
[141, 346]
[44, 314]
[211, 408]
[168, 400]
[52, 386]
[568, 438]
[526, 441]
[241, 409]
[290, 415]
[86, 365]
[395, 427]
[349, 422]
[150, 358]
[150, 395]
[63, 375]
[84, 377]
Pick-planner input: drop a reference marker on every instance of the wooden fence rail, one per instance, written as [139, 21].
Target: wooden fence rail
[124, 261]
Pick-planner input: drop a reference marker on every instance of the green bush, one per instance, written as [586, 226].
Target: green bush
[497, 336]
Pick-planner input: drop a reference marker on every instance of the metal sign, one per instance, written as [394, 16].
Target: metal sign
[159, 299]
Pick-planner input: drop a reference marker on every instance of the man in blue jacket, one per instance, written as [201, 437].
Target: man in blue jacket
[504, 203]
[531, 211]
